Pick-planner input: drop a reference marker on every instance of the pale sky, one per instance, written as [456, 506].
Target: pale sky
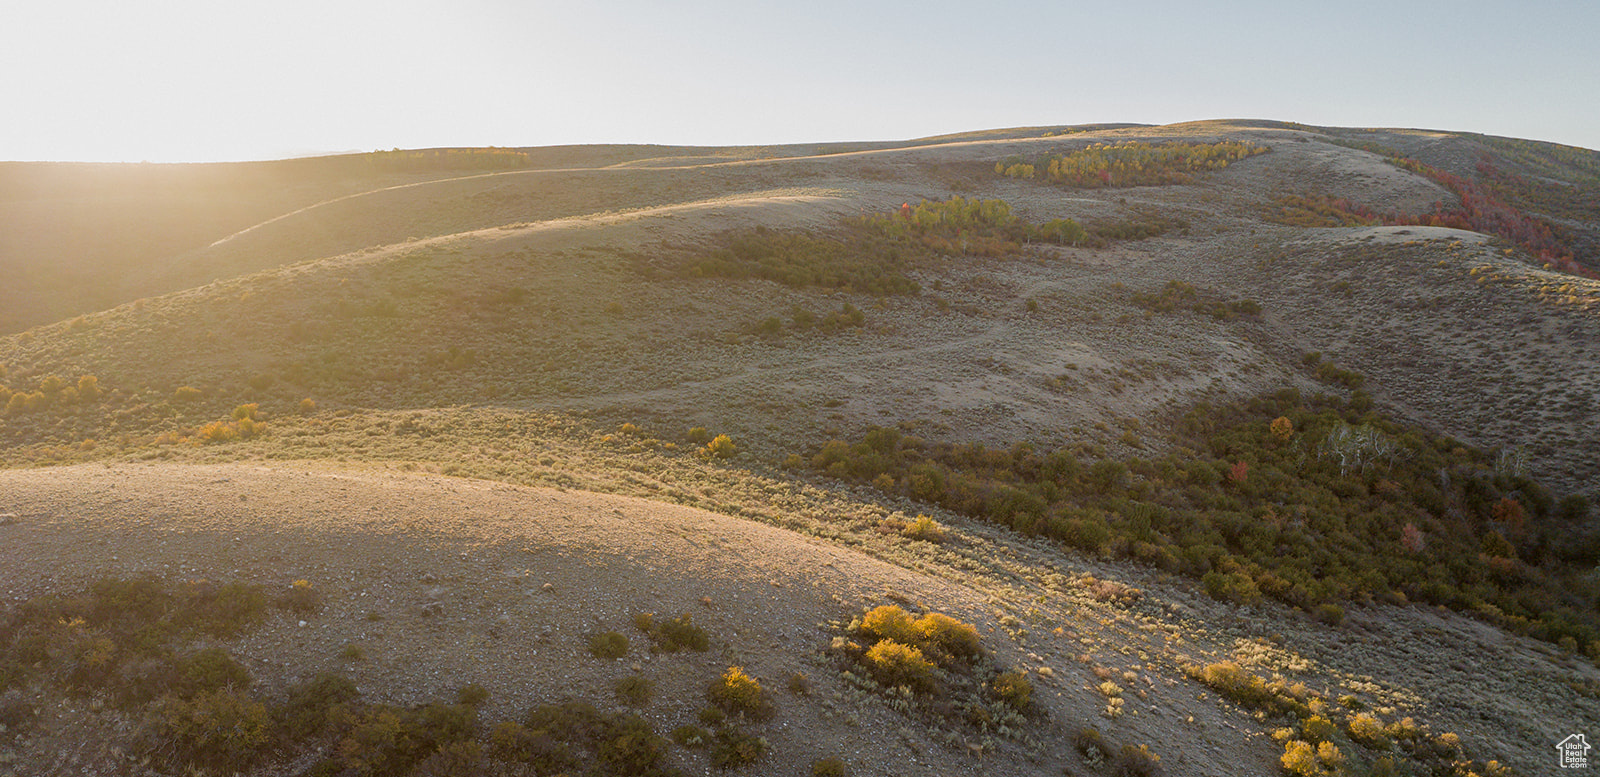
[192, 80]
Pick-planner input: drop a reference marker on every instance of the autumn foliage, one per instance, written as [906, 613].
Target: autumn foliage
[1131, 164]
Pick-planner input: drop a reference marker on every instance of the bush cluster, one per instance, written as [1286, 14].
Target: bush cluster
[1178, 295]
[934, 665]
[1132, 163]
[1316, 745]
[1311, 502]
[52, 391]
[674, 635]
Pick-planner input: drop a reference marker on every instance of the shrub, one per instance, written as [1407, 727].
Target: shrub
[389, 740]
[1248, 690]
[249, 411]
[215, 728]
[302, 597]
[472, 695]
[895, 664]
[828, 767]
[923, 528]
[1091, 745]
[1014, 689]
[948, 635]
[799, 685]
[737, 692]
[634, 690]
[1368, 730]
[1136, 762]
[16, 712]
[1329, 613]
[186, 394]
[308, 406]
[315, 704]
[721, 447]
[219, 431]
[1300, 758]
[732, 748]
[608, 644]
[212, 669]
[1318, 729]
[1282, 428]
[678, 634]
[891, 622]
[691, 736]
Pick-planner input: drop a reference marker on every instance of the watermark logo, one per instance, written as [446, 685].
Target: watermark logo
[1573, 752]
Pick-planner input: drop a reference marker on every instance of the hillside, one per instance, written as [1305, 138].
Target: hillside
[1073, 347]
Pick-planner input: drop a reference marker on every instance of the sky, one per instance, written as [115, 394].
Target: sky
[193, 80]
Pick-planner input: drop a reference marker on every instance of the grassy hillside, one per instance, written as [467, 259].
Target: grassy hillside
[1313, 376]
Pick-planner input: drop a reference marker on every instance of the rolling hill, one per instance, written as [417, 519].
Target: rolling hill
[1187, 405]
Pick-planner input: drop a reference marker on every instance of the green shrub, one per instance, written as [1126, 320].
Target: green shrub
[691, 736]
[678, 634]
[1136, 762]
[1014, 689]
[828, 767]
[1134, 163]
[302, 597]
[732, 748]
[16, 714]
[388, 740]
[608, 644]
[1091, 745]
[634, 690]
[472, 695]
[213, 728]
[1329, 613]
[212, 669]
[629, 746]
[315, 705]
[514, 742]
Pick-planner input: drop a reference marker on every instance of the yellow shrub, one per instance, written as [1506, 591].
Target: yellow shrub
[1318, 729]
[721, 447]
[958, 639]
[891, 622]
[1300, 758]
[1330, 756]
[1368, 730]
[736, 691]
[924, 528]
[896, 664]
[219, 431]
